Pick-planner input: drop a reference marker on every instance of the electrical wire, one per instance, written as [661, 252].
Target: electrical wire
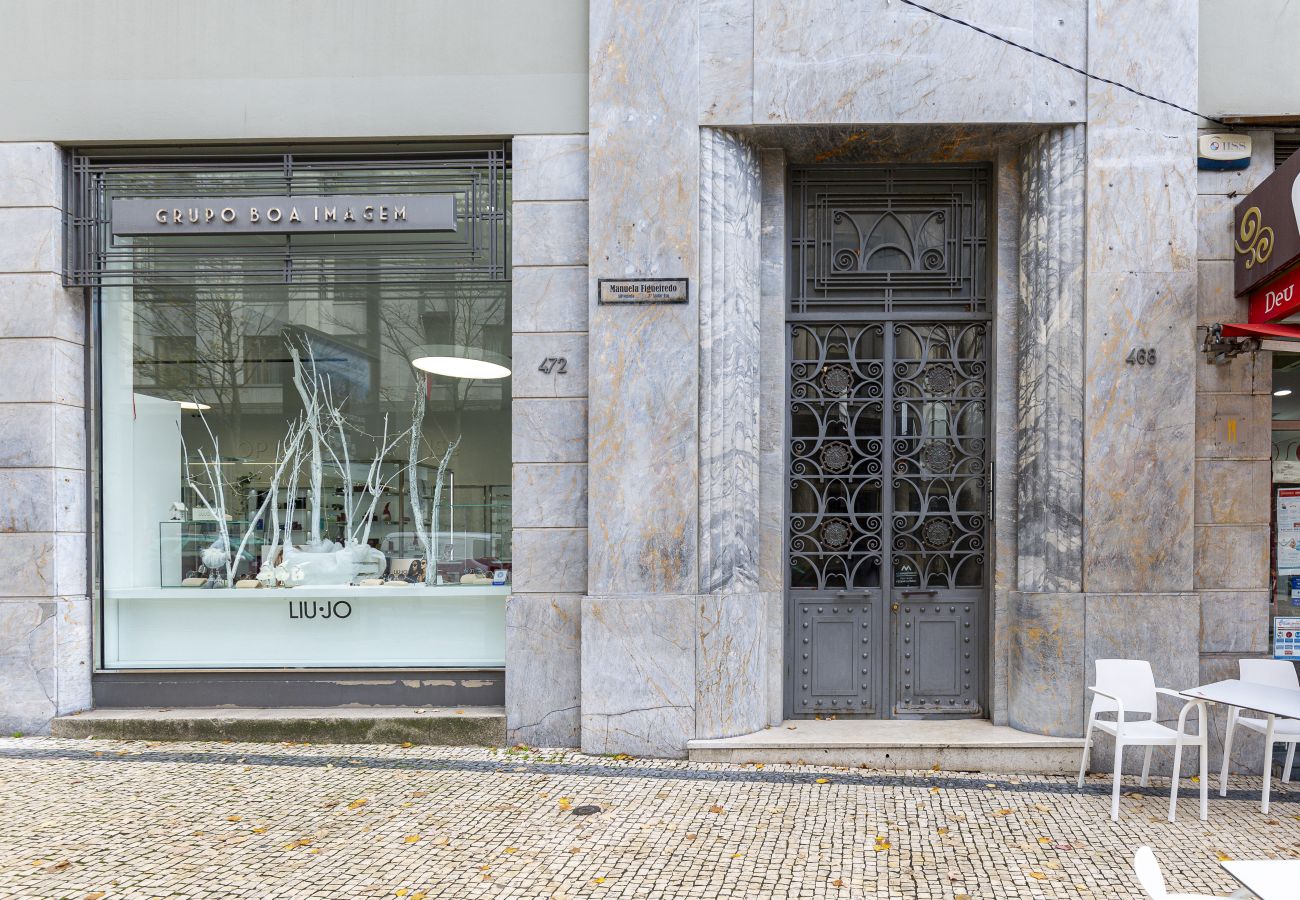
[1065, 65]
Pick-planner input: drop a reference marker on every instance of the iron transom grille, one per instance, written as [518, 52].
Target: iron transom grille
[476, 176]
[889, 239]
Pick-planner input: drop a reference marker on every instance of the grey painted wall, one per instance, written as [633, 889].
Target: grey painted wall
[147, 70]
[1247, 58]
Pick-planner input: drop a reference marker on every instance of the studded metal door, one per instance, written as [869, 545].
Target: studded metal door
[887, 501]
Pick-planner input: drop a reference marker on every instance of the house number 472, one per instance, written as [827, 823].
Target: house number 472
[557, 364]
[1141, 356]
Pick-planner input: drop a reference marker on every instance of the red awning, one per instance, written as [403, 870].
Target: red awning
[1271, 331]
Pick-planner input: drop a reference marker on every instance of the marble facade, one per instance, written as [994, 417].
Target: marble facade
[45, 611]
[1129, 516]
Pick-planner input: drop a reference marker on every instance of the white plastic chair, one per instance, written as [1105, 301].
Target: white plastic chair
[1126, 687]
[1275, 673]
[1153, 881]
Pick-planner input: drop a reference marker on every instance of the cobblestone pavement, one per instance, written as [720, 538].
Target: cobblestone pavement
[99, 820]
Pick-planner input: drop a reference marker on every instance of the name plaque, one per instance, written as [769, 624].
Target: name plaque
[643, 290]
[284, 214]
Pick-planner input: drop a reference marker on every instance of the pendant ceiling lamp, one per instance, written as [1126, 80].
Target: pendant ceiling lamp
[456, 361]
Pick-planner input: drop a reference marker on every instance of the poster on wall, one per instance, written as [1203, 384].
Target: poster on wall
[1286, 637]
[1288, 529]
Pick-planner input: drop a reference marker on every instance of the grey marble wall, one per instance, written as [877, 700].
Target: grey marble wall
[1233, 470]
[45, 613]
[1140, 215]
[771, 423]
[549, 446]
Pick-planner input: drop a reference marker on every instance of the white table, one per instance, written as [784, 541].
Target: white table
[1270, 700]
[1268, 879]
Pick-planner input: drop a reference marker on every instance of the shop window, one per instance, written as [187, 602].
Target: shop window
[287, 479]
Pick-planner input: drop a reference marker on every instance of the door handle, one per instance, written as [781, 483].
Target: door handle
[907, 594]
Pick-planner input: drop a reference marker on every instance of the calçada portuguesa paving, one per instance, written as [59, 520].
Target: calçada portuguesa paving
[117, 819]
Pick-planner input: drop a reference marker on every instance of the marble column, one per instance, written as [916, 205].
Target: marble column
[1045, 679]
[639, 618]
[549, 319]
[45, 613]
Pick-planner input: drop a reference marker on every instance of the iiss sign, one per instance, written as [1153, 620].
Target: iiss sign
[283, 214]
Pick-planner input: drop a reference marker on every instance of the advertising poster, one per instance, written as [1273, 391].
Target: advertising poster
[1288, 529]
[1286, 637]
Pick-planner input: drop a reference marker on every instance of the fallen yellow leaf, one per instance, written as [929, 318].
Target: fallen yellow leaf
[410, 838]
[598, 880]
[234, 818]
[314, 850]
[934, 790]
[1221, 856]
[261, 830]
[407, 744]
[1038, 875]
[95, 895]
[823, 781]
[1003, 812]
[419, 895]
[737, 855]
[358, 803]
[838, 882]
[512, 850]
[402, 892]
[564, 803]
[942, 830]
[716, 809]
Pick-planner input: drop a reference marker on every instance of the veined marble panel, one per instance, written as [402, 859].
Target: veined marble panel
[726, 62]
[549, 495]
[1139, 426]
[73, 654]
[31, 174]
[730, 208]
[549, 167]
[1235, 622]
[644, 359]
[69, 441]
[39, 306]
[548, 430]
[1234, 426]
[31, 564]
[730, 664]
[27, 500]
[1049, 351]
[1232, 556]
[548, 298]
[543, 669]
[567, 379]
[548, 233]
[638, 674]
[549, 560]
[30, 239]
[1214, 227]
[1233, 492]
[771, 379]
[1006, 306]
[28, 675]
[1215, 301]
[823, 61]
[1047, 679]
[1249, 373]
[41, 370]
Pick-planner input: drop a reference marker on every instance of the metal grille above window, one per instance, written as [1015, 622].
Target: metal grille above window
[889, 239]
[1283, 146]
[475, 176]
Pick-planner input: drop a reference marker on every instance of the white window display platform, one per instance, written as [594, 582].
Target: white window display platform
[451, 626]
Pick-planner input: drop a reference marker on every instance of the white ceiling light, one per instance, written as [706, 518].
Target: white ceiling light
[455, 361]
[193, 405]
[1285, 392]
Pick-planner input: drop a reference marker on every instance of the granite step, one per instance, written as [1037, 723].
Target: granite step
[446, 726]
[959, 745]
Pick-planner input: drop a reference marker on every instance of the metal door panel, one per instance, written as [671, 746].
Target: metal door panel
[887, 497]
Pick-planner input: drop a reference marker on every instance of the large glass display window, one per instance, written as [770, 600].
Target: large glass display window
[309, 473]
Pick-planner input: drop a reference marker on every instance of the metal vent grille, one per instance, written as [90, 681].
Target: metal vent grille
[1283, 146]
[475, 175]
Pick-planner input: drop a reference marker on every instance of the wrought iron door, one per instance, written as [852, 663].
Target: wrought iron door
[887, 432]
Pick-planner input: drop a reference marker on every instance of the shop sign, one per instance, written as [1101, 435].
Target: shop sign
[283, 214]
[1223, 151]
[1277, 299]
[1266, 228]
[643, 290]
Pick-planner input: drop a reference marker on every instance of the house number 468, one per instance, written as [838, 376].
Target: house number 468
[1141, 356]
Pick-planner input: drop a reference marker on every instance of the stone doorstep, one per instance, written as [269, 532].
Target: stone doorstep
[962, 745]
[446, 726]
